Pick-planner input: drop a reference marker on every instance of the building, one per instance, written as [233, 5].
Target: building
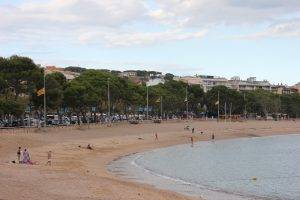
[68, 74]
[283, 89]
[249, 85]
[128, 73]
[208, 82]
[297, 87]
[191, 80]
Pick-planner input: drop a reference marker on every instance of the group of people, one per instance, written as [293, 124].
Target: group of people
[24, 157]
[193, 131]
[192, 138]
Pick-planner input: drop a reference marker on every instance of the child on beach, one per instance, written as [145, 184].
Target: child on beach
[19, 154]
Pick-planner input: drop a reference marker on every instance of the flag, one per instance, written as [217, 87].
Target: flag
[217, 103]
[40, 92]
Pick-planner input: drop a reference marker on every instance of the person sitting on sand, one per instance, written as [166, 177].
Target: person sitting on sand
[19, 154]
[89, 147]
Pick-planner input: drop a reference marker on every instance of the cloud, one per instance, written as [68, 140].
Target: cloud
[114, 38]
[195, 13]
[290, 28]
[131, 22]
[111, 22]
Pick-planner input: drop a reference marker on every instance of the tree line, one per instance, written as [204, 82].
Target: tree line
[21, 78]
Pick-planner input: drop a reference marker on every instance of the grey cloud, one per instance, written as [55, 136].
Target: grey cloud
[232, 12]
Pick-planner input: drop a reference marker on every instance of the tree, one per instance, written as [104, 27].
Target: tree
[169, 77]
[232, 98]
[75, 69]
[75, 97]
[19, 72]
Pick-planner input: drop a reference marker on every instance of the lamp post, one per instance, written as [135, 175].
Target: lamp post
[147, 102]
[187, 103]
[45, 108]
[108, 99]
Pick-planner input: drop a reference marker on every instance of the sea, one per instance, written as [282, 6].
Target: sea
[233, 169]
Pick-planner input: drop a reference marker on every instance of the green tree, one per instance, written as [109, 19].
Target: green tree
[19, 72]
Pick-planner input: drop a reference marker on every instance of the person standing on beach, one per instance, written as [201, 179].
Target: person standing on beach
[19, 154]
[49, 156]
[26, 157]
[192, 141]
[193, 130]
[213, 136]
[156, 137]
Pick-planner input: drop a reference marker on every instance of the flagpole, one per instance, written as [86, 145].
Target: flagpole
[245, 111]
[187, 103]
[161, 111]
[45, 110]
[225, 111]
[230, 112]
[218, 106]
[108, 100]
[147, 102]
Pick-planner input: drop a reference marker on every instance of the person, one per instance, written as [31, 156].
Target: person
[49, 156]
[192, 141]
[89, 147]
[156, 137]
[213, 137]
[26, 157]
[19, 154]
[193, 130]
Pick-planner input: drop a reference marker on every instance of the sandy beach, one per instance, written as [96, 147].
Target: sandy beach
[79, 173]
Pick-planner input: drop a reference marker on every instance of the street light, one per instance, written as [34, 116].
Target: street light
[108, 100]
[147, 102]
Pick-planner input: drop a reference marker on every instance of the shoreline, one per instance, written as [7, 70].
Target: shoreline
[82, 174]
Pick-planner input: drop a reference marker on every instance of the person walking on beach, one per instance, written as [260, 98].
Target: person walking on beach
[49, 156]
[193, 130]
[156, 137]
[213, 136]
[192, 141]
[19, 154]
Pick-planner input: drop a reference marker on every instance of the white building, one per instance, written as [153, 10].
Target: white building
[155, 81]
[208, 82]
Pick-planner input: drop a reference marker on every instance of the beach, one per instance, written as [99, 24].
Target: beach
[79, 173]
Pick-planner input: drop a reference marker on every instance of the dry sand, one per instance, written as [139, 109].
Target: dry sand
[78, 173]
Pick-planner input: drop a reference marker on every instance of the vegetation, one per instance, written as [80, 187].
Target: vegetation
[21, 78]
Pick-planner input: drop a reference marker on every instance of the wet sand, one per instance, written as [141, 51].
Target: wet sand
[79, 173]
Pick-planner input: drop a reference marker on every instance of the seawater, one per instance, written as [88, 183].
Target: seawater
[236, 169]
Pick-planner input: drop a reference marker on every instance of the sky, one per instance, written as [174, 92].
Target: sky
[227, 38]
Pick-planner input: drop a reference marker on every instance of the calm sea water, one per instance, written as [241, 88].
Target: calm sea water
[248, 168]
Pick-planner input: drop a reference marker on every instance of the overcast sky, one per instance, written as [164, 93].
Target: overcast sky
[215, 37]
